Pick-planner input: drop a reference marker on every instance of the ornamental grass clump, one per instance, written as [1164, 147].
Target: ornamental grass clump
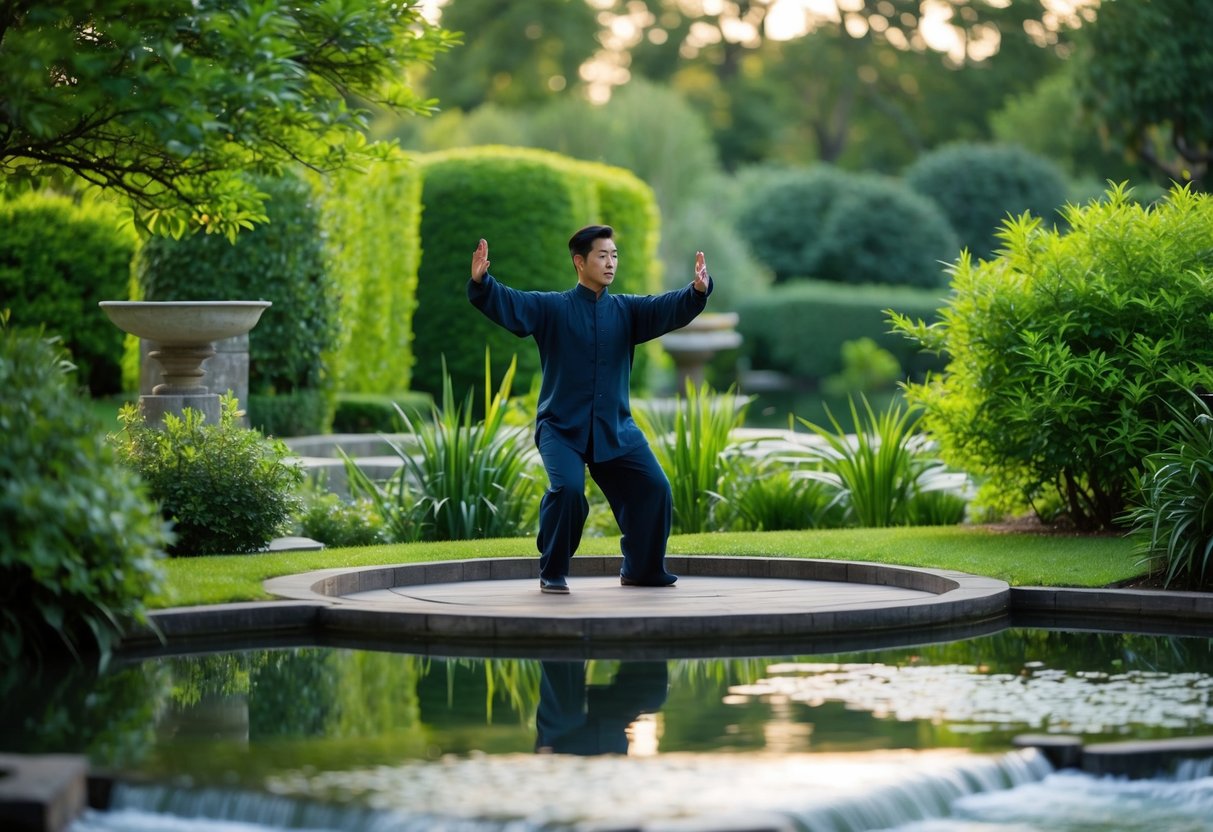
[692, 448]
[1173, 523]
[226, 488]
[1069, 351]
[458, 479]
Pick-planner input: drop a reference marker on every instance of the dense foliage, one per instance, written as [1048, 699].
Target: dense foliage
[58, 258]
[979, 186]
[283, 262]
[172, 102]
[1147, 75]
[1068, 351]
[79, 537]
[227, 489]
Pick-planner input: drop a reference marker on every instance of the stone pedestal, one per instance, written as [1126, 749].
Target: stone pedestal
[154, 407]
[226, 370]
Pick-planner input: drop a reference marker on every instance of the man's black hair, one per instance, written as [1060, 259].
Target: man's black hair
[583, 241]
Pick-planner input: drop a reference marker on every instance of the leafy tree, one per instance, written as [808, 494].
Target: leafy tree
[516, 53]
[1148, 77]
[168, 102]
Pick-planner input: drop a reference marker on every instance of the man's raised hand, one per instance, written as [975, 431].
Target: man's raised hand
[480, 261]
[702, 281]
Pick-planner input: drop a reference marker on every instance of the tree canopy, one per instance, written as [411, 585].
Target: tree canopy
[172, 102]
[1148, 76]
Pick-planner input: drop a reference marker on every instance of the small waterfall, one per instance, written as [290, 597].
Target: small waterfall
[925, 795]
[159, 808]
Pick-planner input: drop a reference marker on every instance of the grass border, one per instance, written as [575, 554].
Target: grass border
[1020, 559]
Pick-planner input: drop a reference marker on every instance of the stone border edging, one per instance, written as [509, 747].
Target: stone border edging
[958, 598]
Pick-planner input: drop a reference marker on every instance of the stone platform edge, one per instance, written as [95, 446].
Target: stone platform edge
[314, 607]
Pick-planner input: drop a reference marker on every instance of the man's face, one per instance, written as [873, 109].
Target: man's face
[597, 270]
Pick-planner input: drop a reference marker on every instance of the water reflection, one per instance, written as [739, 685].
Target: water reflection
[577, 718]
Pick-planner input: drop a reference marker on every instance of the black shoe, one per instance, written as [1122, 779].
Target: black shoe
[555, 586]
[664, 579]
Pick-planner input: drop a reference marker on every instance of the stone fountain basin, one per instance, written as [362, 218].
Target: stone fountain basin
[185, 323]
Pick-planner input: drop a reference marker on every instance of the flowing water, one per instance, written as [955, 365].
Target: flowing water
[916, 739]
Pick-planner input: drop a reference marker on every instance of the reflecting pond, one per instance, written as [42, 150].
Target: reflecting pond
[531, 744]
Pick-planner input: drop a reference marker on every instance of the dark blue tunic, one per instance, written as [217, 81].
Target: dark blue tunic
[586, 345]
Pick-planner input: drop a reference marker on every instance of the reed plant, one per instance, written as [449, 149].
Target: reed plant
[692, 446]
[459, 479]
[884, 473]
[1173, 524]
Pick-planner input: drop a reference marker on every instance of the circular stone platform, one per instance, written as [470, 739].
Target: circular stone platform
[716, 598]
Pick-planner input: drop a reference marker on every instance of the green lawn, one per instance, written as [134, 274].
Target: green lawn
[1020, 559]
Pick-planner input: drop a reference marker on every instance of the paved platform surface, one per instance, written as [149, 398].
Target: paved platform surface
[603, 597]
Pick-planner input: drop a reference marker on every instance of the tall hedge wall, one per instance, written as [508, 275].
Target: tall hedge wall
[799, 328]
[371, 225]
[526, 204]
[59, 258]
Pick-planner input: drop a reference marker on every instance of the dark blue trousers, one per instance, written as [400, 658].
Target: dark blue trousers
[636, 489]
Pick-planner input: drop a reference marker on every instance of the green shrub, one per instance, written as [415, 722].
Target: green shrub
[879, 231]
[979, 186]
[376, 412]
[458, 479]
[335, 522]
[866, 368]
[282, 262]
[781, 217]
[79, 537]
[1069, 350]
[226, 489]
[1172, 522]
[371, 226]
[58, 258]
[691, 445]
[799, 328]
[526, 203]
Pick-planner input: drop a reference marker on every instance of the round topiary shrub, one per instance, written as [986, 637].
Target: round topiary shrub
[978, 186]
[226, 488]
[283, 262]
[58, 258]
[79, 538]
[877, 231]
[781, 218]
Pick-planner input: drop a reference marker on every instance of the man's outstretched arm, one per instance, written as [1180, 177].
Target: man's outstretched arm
[519, 312]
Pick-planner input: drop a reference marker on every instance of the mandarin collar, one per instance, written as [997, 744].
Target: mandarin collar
[586, 293]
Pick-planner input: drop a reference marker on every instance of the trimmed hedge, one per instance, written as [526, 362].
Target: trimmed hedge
[283, 262]
[780, 215]
[58, 258]
[978, 186]
[829, 225]
[375, 412]
[526, 203]
[372, 223]
[799, 328]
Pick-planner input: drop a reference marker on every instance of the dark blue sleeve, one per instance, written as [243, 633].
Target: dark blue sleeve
[519, 312]
[655, 315]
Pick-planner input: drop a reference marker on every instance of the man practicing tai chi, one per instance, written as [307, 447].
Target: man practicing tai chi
[586, 338]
